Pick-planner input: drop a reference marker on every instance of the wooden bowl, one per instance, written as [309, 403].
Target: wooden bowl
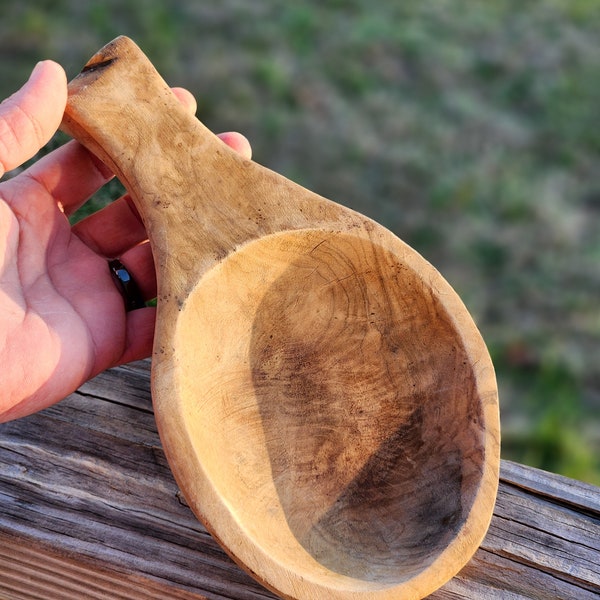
[326, 402]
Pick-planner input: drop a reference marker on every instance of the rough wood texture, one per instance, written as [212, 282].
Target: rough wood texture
[325, 401]
[91, 510]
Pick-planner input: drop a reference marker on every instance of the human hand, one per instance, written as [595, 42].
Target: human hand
[62, 318]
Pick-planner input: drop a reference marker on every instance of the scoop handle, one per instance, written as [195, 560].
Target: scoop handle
[198, 198]
[121, 109]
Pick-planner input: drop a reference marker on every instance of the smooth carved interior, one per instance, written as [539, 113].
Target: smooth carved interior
[331, 395]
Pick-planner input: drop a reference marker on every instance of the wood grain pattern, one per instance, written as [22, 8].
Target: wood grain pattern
[31, 570]
[347, 382]
[88, 501]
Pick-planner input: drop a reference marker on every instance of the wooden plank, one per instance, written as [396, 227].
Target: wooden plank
[89, 478]
[577, 494]
[88, 500]
[31, 571]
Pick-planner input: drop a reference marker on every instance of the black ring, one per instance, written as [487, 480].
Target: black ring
[127, 286]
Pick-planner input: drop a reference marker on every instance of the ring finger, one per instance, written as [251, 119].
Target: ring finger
[140, 264]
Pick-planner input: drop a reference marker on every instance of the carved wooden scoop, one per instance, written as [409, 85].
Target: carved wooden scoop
[325, 401]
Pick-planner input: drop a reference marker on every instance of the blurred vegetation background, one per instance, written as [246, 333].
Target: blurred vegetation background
[470, 129]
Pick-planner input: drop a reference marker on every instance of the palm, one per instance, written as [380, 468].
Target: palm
[64, 314]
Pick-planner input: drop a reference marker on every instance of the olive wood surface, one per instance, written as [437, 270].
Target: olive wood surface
[325, 401]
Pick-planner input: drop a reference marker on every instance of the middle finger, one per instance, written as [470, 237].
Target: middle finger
[112, 230]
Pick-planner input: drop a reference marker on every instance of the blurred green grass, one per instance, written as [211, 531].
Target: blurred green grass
[470, 129]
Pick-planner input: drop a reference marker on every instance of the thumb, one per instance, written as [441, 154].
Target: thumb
[31, 116]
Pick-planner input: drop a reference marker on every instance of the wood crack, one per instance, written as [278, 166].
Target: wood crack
[114, 401]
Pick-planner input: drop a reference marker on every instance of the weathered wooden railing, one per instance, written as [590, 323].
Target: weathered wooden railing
[89, 510]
